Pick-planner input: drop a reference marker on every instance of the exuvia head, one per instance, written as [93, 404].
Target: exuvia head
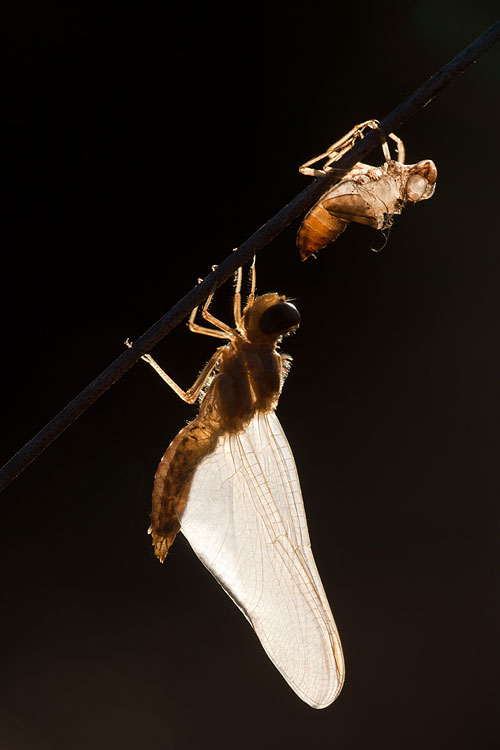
[421, 182]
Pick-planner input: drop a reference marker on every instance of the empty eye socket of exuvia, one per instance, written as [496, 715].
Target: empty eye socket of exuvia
[279, 317]
[416, 187]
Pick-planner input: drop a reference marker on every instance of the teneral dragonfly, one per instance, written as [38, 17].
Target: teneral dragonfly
[365, 194]
[228, 481]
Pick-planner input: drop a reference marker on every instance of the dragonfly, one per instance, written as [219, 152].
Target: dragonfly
[229, 483]
[365, 194]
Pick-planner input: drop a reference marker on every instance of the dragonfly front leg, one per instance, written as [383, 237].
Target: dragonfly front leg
[226, 331]
[196, 328]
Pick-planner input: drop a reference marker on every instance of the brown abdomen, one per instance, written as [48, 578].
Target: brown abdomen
[318, 229]
[173, 479]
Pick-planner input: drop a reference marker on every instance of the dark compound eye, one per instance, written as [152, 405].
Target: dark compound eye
[279, 318]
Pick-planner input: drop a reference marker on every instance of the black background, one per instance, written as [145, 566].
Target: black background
[138, 148]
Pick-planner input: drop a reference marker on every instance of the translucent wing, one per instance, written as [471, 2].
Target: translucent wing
[245, 520]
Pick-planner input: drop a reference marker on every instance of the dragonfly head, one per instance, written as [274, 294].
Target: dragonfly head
[269, 317]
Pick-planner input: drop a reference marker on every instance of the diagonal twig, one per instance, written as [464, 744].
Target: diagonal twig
[263, 236]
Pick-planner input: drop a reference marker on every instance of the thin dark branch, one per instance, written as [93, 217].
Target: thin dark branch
[301, 203]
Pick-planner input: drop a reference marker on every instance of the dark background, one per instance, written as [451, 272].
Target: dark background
[139, 148]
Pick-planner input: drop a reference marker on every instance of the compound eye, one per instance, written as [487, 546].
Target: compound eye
[279, 318]
[416, 187]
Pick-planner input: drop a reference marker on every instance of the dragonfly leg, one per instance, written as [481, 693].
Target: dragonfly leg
[237, 298]
[237, 294]
[192, 393]
[253, 284]
[228, 332]
[195, 328]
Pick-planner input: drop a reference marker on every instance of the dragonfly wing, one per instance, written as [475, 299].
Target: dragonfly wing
[245, 520]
